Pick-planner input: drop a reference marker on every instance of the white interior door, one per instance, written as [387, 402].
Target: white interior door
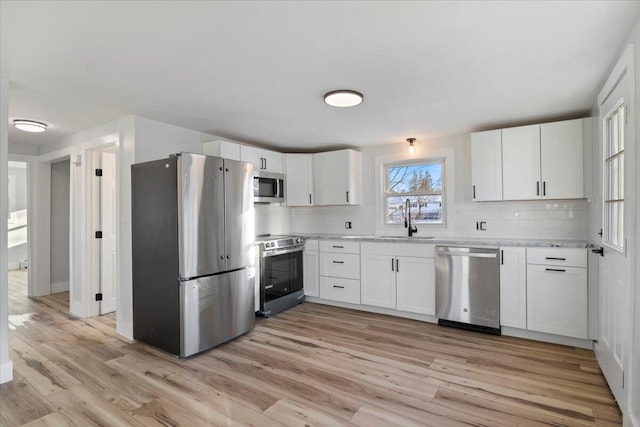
[108, 226]
[616, 102]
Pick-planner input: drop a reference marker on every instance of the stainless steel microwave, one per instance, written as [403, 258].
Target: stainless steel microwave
[268, 187]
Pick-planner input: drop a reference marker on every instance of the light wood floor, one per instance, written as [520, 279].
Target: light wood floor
[313, 365]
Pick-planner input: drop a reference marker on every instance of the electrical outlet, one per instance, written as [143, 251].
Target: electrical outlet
[481, 225]
[348, 225]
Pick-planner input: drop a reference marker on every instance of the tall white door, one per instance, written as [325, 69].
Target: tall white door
[108, 226]
[613, 349]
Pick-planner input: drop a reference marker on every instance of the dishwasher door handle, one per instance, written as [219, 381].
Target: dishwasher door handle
[468, 254]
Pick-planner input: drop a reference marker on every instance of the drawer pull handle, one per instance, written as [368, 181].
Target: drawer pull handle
[268, 286]
[555, 258]
[556, 269]
[338, 247]
[338, 286]
[338, 262]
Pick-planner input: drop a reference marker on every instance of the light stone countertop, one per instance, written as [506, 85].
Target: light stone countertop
[455, 241]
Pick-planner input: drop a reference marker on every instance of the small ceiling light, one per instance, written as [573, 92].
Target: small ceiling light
[30, 125]
[412, 148]
[343, 98]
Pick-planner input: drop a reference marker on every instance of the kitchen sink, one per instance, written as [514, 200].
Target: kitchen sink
[406, 237]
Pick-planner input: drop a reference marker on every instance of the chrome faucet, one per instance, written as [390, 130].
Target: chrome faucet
[407, 219]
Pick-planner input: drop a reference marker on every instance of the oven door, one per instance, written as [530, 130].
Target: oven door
[281, 274]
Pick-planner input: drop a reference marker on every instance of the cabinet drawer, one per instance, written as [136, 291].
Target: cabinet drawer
[310, 245]
[345, 290]
[340, 246]
[568, 257]
[340, 265]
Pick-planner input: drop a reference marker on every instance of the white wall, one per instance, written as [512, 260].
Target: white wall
[531, 219]
[23, 149]
[59, 241]
[6, 366]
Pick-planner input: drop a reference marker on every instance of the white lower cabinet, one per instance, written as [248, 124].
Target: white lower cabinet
[416, 285]
[310, 269]
[557, 291]
[339, 289]
[513, 287]
[390, 279]
[379, 279]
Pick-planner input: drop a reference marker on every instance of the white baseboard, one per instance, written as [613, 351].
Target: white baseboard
[6, 372]
[513, 332]
[76, 309]
[13, 266]
[59, 287]
[541, 336]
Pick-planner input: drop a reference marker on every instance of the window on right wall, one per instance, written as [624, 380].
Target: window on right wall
[421, 182]
[614, 178]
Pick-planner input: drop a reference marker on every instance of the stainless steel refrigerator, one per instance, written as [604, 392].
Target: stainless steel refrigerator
[193, 252]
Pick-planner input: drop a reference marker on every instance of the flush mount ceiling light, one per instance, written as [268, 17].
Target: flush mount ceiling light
[29, 125]
[412, 148]
[343, 98]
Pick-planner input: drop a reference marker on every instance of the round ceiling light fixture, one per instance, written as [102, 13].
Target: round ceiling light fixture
[343, 98]
[29, 125]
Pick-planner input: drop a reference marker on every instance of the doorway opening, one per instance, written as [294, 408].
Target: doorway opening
[59, 231]
[17, 228]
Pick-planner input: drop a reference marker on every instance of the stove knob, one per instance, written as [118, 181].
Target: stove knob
[299, 240]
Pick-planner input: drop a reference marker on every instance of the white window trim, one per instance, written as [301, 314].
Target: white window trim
[424, 230]
[605, 225]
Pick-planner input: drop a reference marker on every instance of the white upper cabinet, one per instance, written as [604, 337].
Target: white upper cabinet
[299, 179]
[336, 177]
[521, 163]
[486, 165]
[543, 161]
[220, 148]
[561, 159]
[262, 159]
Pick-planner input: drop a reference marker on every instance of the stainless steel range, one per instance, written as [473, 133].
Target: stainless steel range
[280, 273]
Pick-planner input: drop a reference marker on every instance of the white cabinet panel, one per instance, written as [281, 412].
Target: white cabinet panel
[557, 300]
[521, 163]
[220, 148]
[416, 286]
[262, 159]
[564, 257]
[340, 265]
[340, 246]
[513, 287]
[311, 273]
[299, 179]
[379, 281]
[486, 165]
[338, 289]
[336, 177]
[561, 160]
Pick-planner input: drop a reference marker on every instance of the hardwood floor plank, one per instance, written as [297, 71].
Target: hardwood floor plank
[312, 365]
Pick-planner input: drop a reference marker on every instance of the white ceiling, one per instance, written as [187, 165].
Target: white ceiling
[256, 71]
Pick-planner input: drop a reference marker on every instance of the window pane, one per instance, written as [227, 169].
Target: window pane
[621, 120]
[621, 176]
[614, 134]
[415, 178]
[424, 209]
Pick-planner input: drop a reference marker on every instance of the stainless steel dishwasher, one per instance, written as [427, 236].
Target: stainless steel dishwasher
[468, 288]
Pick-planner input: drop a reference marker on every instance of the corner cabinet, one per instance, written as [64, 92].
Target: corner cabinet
[399, 276]
[262, 159]
[299, 179]
[486, 165]
[337, 177]
[557, 293]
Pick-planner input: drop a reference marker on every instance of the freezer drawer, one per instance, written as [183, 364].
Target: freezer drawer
[215, 309]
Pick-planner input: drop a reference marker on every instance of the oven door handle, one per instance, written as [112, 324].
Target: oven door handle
[277, 252]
